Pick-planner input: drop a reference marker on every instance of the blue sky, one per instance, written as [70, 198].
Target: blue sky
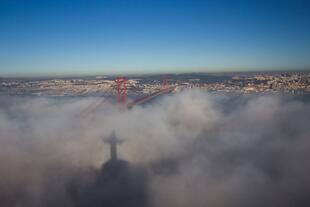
[103, 37]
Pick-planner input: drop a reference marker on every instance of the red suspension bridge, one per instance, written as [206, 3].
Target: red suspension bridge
[121, 83]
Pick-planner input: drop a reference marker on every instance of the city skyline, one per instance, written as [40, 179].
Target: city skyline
[42, 38]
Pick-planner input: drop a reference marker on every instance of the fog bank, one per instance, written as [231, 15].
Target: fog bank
[197, 149]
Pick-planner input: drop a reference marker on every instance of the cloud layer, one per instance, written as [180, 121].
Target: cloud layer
[197, 149]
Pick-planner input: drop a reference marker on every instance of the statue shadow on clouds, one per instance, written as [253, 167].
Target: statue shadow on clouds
[117, 184]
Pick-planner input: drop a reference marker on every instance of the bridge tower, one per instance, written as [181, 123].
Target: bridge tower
[165, 79]
[121, 90]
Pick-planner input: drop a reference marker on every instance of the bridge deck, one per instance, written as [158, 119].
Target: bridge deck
[151, 96]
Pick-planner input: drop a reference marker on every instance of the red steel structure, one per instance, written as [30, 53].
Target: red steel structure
[165, 81]
[151, 96]
[121, 90]
[122, 96]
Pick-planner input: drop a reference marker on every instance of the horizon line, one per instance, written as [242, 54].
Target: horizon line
[79, 75]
